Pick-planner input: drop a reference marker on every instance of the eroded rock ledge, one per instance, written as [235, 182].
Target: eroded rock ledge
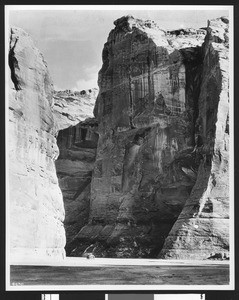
[159, 184]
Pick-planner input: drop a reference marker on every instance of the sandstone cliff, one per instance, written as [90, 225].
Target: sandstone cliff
[35, 204]
[161, 163]
[202, 228]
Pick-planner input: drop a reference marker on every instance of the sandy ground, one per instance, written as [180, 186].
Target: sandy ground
[81, 261]
[101, 271]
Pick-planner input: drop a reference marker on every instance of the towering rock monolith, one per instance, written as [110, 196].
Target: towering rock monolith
[163, 128]
[34, 202]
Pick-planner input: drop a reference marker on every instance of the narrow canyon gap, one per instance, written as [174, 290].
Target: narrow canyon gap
[77, 142]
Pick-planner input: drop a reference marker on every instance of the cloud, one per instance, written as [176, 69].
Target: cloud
[68, 25]
[57, 88]
[90, 79]
[84, 84]
[69, 62]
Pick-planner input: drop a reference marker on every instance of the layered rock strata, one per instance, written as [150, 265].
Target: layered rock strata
[77, 145]
[163, 144]
[35, 204]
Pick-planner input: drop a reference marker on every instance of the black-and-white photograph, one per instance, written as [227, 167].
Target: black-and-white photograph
[119, 147]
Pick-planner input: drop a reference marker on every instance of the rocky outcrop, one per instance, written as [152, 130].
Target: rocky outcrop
[35, 204]
[202, 228]
[163, 144]
[72, 107]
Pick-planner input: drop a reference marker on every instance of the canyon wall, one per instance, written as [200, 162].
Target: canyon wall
[161, 160]
[202, 228]
[34, 202]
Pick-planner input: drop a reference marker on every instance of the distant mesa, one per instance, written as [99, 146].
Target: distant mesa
[77, 93]
[72, 107]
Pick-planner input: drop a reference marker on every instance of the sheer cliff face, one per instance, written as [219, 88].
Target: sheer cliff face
[160, 158]
[36, 211]
[202, 229]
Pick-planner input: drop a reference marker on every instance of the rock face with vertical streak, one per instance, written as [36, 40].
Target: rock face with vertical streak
[163, 144]
[202, 228]
[35, 203]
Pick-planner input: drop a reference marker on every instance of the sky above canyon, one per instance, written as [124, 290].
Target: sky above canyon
[72, 40]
